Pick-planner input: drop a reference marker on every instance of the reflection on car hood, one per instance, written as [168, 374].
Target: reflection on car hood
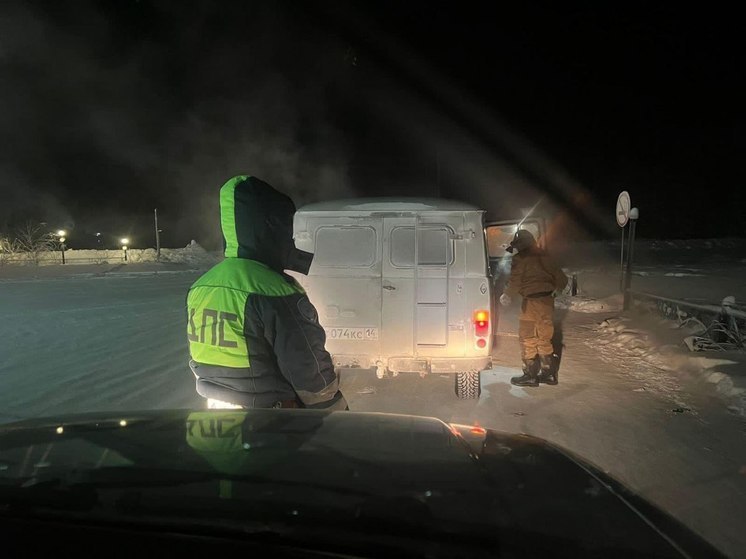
[356, 472]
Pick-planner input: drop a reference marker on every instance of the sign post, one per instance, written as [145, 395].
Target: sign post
[634, 214]
[623, 205]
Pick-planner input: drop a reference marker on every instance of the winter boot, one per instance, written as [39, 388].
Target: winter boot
[548, 374]
[529, 377]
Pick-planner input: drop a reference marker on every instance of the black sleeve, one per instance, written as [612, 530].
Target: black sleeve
[291, 328]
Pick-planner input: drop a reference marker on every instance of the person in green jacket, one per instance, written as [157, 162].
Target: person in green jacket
[254, 337]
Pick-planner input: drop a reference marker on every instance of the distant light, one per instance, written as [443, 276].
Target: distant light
[60, 430]
[123, 423]
[98, 234]
[125, 241]
[62, 239]
[61, 233]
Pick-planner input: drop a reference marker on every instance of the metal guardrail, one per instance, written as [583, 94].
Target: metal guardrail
[721, 327]
[670, 306]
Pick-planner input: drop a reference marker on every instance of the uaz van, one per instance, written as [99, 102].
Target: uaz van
[393, 304]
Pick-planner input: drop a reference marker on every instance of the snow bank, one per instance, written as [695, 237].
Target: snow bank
[636, 351]
[633, 343]
[693, 244]
[729, 386]
[584, 304]
[632, 352]
[193, 253]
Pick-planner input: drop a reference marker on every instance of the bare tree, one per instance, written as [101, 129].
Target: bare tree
[33, 240]
[8, 249]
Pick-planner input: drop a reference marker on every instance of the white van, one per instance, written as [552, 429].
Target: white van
[389, 303]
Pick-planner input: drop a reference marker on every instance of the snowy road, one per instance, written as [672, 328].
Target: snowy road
[116, 342]
[675, 445]
[112, 342]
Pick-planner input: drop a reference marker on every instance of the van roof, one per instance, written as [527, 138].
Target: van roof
[389, 204]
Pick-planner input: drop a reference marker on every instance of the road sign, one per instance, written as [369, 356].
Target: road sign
[623, 205]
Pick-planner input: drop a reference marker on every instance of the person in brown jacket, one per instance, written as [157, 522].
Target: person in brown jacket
[536, 278]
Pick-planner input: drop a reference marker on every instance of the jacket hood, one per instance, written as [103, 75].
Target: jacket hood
[523, 241]
[257, 224]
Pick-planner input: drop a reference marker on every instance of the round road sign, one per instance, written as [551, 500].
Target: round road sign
[623, 205]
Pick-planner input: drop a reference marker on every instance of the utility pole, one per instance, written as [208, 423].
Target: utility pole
[157, 236]
[437, 170]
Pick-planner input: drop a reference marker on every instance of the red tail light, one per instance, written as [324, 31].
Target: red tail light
[477, 430]
[481, 323]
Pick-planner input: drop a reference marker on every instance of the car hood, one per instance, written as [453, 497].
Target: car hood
[315, 471]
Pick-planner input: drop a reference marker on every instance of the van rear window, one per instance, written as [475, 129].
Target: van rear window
[345, 247]
[435, 247]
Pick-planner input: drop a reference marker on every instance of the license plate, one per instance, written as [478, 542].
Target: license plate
[351, 333]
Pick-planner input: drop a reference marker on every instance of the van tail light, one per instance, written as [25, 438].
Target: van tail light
[481, 323]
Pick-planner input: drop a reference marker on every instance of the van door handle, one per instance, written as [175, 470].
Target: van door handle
[389, 287]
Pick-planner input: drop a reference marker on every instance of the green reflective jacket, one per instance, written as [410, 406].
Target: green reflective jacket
[254, 337]
[217, 309]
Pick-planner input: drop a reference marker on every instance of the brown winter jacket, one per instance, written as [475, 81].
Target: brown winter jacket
[533, 272]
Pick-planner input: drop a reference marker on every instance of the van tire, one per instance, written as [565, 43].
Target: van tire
[468, 385]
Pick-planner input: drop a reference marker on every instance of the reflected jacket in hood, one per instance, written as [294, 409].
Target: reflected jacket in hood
[254, 337]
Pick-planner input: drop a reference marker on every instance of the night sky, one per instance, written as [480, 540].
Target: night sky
[111, 109]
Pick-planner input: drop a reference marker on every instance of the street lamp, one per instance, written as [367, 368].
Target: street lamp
[125, 243]
[61, 235]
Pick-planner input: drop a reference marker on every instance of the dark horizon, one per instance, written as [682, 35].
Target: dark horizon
[115, 109]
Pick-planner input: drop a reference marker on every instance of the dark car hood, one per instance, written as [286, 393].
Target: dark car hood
[309, 472]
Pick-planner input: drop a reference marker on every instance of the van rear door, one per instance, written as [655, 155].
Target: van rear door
[415, 287]
[345, 284]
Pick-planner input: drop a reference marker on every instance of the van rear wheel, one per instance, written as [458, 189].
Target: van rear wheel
[468, 386]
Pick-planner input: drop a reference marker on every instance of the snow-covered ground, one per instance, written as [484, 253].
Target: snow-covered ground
[702, 272]
[696, 270]
[631, 398]
[93, 338]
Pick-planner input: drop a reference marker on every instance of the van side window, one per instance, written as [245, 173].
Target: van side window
[345, 247]
[435, 247]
